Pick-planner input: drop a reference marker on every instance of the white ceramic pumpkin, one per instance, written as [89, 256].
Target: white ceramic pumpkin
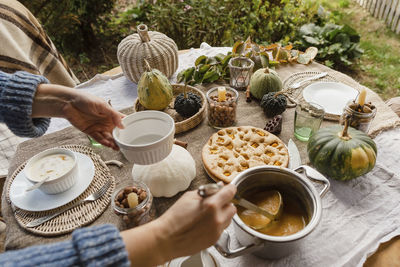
[169, 176]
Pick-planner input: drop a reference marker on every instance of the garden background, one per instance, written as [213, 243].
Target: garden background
[87, 32]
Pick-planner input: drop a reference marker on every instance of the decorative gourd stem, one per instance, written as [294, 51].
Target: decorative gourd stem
[143, 33]
[344, 134]
[279, 93]
[266, 70]
[147, 65]
[184, 91]
[248, 97]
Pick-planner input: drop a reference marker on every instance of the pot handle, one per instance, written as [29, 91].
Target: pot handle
[315, 176]
[224, 248]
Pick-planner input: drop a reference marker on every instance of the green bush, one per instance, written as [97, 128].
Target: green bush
[338, 45]
[75, 26]
[222, 22]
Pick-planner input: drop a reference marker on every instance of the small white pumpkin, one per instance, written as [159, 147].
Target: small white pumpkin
[169, 176]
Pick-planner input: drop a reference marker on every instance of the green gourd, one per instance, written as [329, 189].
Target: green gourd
[264, 81]
[342, 153]
[273, 103]
[154, 89]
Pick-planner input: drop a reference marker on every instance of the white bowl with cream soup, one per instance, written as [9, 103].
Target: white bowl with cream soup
[57, 165]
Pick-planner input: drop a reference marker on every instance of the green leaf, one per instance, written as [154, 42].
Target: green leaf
[181, 76]
[311, 40]
[210, 77]
[226, 59]
[189, 74]
[343, 39]
[211, 60]
[197, 77]
[204, 68]
[200, 60]
[308, 29]
[238, 47]
[264, 59]
[219, 57]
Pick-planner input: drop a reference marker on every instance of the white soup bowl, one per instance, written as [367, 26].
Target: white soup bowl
[147, 138]
[60, 183]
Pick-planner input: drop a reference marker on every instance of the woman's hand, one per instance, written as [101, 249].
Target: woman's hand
[190, 225]
[195, 223]
[89, 113]
[93, 116]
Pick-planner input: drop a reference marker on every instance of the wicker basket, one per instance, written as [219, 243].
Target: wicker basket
[181, 124]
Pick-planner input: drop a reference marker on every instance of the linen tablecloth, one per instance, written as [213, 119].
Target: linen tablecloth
[357, 215]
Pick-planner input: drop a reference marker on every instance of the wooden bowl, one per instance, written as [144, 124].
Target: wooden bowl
[182, 124]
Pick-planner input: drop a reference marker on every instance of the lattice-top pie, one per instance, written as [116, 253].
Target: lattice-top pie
[232, 150]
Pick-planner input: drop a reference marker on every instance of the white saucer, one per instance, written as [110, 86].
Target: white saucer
[36, 200]
[332, 96]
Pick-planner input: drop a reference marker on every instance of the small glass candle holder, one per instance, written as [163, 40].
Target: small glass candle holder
[222, 112]
[357, 119]
[138, 215]
[241, 69]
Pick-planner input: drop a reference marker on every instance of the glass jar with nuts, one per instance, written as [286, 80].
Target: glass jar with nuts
[133, 204]
[222, 106]
[360, 116]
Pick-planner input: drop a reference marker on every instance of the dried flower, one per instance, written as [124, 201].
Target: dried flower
[187, 8]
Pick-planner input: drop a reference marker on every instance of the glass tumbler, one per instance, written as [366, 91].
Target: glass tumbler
[307, 120]
[138, 215]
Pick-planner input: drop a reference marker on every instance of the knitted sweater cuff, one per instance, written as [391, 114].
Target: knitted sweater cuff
[100, 246]
[17, 96]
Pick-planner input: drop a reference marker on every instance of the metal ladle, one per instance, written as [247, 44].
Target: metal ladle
[211, 189]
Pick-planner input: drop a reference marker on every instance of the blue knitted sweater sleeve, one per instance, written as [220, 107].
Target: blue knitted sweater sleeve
[92, 246]
[16, 97]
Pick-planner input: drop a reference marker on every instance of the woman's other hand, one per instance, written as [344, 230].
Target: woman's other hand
[89, 113]
[93, 116]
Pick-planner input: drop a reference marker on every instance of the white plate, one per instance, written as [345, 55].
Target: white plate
[332, 96]
[36, 200]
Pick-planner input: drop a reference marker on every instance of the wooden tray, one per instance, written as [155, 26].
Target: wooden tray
[181, 124]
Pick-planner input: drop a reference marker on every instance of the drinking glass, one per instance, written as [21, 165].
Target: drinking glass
[307, 120]
[94, 142]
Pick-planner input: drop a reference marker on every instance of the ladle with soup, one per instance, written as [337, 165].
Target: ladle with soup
[281, 219]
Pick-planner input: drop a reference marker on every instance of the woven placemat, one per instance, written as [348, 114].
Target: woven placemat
[297, 95]
[77, 216]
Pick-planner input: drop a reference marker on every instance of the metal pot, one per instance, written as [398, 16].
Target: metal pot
[274, 247]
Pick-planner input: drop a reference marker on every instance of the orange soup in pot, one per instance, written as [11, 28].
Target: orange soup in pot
[292, 219]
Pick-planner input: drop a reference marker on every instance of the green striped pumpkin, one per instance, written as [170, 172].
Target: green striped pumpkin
[154, 89]
[342, 153]
[264, 81]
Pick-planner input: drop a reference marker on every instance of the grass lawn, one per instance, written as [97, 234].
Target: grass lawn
[379, 67]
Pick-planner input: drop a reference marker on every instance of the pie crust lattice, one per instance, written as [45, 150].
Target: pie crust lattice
[233, 150]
